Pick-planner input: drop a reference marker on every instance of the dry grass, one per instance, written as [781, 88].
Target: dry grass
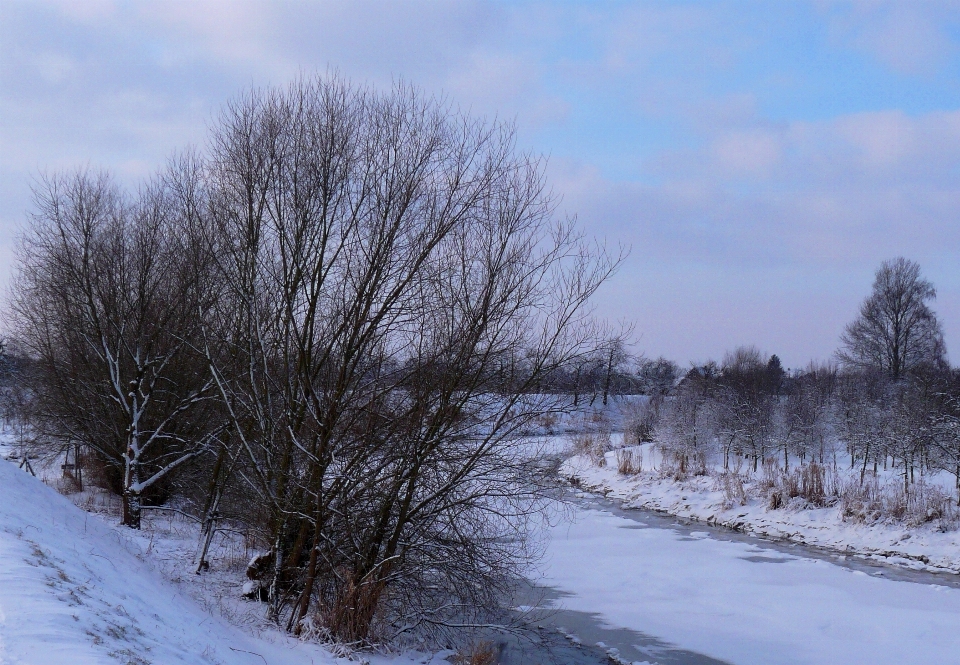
[734, 493]
[478, 653]
[593, 445]
[809, 483]
[679, 463]
[629, 461]
[920, 503]
[548, 422]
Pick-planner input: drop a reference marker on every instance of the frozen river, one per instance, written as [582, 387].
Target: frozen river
[663, 593]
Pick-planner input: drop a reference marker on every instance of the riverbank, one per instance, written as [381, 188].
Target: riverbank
[703, 499]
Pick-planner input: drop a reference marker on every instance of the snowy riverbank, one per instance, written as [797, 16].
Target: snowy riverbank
[701, 498]
[79, 589]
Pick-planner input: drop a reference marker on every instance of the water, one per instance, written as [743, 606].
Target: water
[646, 519]
[759, 563]
[568, 637]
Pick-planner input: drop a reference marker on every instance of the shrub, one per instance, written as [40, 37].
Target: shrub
[734, 493]
[593, 445]
[479, 653]
[629, 461]
[921, 503]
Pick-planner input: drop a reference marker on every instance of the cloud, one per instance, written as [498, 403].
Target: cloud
[752, 153]
[771, 235]
[759, 165]
[909, 38]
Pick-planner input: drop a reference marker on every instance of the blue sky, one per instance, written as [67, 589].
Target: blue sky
[760, 158]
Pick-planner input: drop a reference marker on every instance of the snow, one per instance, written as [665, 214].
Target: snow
[745, 604]
[75, 588]
[699, 498]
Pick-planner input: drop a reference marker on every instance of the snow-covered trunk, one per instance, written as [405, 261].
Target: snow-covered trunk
[957, 474]
[863, 468]
[209, 524]
[131, 493]
[132, 456]
[273, 593]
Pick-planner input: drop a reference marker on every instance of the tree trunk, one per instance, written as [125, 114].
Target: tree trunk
[131, 497]
[863, 469]
[131, 509]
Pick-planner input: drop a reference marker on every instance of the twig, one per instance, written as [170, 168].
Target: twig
[252, 653]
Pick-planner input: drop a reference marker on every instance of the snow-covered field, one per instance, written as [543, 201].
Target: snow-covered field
[701, 498]
[75, 589]
[742, 602]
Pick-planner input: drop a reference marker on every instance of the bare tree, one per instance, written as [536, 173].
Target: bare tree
[107, 304]
[688, 424]
[947, 430]
[615, 357]
[658, 377]
[896, 331]
[748, 402]
[807, 412]
[396, 289]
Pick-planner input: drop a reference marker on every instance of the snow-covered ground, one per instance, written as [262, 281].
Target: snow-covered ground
[75, 589]
[701, 498]
[743, 603]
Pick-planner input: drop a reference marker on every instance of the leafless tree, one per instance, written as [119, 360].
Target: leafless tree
[747, 403]
[807, 412]
[396, 289]
[688, 425]
[615, 356]
[107, 304]
[658, 377]
[947, 432]
[896, 331]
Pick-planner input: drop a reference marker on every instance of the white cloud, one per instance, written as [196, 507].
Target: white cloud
[752, 152]
[907, 37]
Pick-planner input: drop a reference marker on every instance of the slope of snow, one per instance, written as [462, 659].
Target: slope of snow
[700, 499]
[75, 589]
[742, 603]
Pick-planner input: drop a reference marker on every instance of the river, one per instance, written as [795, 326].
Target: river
[650, 588]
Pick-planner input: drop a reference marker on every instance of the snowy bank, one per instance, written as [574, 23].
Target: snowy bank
[77, 589]
[700, 498]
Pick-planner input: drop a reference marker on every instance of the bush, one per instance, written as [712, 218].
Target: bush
[869, 501]
[593, 445]
[734, 493]
[629, 461]
[479, 653]
[808, 482]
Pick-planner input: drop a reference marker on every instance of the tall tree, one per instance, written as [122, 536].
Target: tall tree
[396, 291]
[107, 304]
[896, 331]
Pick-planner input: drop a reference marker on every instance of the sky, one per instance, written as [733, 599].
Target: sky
[759, 159]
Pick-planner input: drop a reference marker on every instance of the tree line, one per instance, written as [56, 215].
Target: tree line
[889, 400]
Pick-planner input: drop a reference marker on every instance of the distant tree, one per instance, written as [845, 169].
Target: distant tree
[747, 403]
[947, 429]
[688, 421]
[896, 332]
[775, 374]
[807, 411]
[614, 357]
[658, 377]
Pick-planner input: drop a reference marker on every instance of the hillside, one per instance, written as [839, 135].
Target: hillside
[75, 589]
